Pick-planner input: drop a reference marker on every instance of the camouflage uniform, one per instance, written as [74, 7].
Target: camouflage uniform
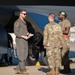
[66, 44]
[52, 40]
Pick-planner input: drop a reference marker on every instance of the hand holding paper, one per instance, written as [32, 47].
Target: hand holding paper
[31, 35]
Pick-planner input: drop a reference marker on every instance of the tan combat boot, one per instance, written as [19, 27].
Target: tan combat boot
[17, 71]
[52, 72]
[24, 72]
[56, 71]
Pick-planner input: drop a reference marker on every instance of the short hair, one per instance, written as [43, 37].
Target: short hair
[63, 13]
[52, 14]
[22, 10]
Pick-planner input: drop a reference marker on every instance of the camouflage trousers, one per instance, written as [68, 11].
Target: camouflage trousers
[54, 57]
[65, 52]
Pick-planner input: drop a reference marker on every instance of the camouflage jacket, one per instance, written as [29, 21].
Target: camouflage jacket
[52, 35]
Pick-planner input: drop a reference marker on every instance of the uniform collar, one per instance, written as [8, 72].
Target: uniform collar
[24, 22]
[52, 23]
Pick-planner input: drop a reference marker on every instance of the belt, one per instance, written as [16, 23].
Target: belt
[66, 37]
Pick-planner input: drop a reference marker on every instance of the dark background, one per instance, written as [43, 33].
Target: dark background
[38, 2]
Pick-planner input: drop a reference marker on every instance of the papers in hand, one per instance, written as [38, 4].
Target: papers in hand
[31, 34]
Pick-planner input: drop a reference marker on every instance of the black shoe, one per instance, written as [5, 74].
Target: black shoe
[71, 61]
[65, 71]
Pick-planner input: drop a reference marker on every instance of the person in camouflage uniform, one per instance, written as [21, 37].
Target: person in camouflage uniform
[52, 41]
[65, 26]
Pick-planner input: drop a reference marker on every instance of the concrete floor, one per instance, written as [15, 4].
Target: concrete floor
[40, 70]
[33, 70]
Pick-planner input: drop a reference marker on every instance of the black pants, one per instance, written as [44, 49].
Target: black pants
[65, 61]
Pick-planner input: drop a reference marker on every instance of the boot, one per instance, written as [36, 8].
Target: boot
[52, 72]
[17, 71]
[56, 71]
[66, 70]
[24, 72]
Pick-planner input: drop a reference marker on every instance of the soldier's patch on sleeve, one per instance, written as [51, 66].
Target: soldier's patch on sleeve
[16, 24]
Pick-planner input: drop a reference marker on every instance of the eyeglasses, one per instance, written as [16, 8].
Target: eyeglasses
[24, 13]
